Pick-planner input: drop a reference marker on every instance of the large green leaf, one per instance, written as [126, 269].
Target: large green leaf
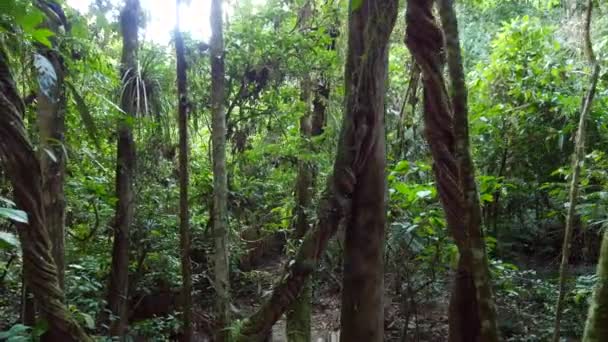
[14, 214]
[8, 241]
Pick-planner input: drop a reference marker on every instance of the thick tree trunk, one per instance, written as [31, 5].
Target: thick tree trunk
[472, 315]
[184, 216]
[362, 314]
[125, 169]
[362, 132]
[23, 169]
[577, 161]
[220, 184]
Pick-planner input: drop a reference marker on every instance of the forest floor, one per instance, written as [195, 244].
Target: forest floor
[427, 322]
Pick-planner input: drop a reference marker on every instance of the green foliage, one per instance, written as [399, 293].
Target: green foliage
[525, 81]
[17, 333]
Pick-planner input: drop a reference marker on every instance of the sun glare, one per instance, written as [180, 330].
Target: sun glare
[194, 18]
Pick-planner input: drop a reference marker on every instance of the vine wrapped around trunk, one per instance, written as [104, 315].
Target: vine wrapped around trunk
[23, 169]
[362, 136]
[471, 312]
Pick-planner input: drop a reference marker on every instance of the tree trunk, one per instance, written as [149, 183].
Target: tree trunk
[577, 161]
[362, 314]
[220, 185]
[472, 313]
[596, 329]
[23, 169]
[411, 99]
[298, 316]
[184, 217]
[362, 133]
[51, 126]
[472, 213]
[125, 169]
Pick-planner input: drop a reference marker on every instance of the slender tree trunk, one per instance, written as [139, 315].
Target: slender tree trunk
[220, 185]
[298, 316]
[125, 169]
[472, 213]
[51, 125]
[411, 99]
[577, 161]
[184, 216]
[472, 315]
[23, 170]
[362, 314]
[596, 329]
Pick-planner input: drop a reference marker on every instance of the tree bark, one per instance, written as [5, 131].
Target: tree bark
[362, 314]
[51, 126]
[361, 139]
[184, 216]
[596, 329]
[411, 99]
[299, 314]
[472, 214]
[125, 168]
[23, 169]
[471, 313]
[220, 184]
[577, 161]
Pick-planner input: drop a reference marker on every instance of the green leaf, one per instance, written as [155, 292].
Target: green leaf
[8, 241]
[42, 36]
[402, 166]
[17, 330]
[7, 201]
[423, 194]
[88, 320]
[85, 114]
[14, 214]
[51, 155]
[30, 20]
[486, 198]
[355, 5]
[40, 328]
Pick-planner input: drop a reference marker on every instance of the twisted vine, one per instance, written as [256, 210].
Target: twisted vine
[23, 169]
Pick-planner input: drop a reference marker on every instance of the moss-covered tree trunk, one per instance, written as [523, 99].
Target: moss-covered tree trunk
[362, 314]
[23, 170]
[184, 216]
[220, 183]
[596, 328]
[125, 171]
[577, 161]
